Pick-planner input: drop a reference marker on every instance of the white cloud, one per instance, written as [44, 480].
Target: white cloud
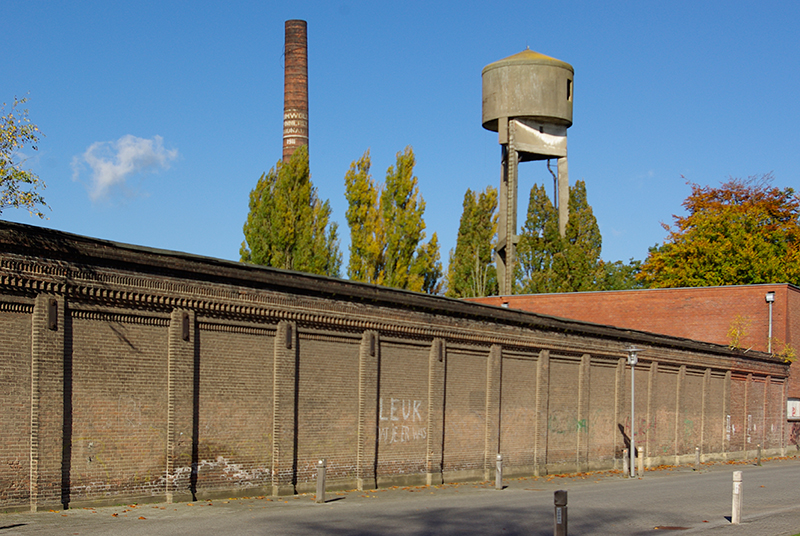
[112, 163]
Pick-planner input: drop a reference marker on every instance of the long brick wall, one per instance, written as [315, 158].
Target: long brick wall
[137, 374]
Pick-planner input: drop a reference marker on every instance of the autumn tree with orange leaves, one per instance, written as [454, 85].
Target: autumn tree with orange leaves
[743, 232]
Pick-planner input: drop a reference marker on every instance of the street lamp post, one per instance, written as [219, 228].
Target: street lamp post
[632, 360]
[770, 300]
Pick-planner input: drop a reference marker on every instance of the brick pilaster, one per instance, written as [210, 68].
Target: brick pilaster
[437, 361]
[680, 390]
[726, 414]
[51, 405]
[584, 375]
[704, 416]
[748, 423]
[619, 403]
[284, 428]
[491, 438]
[368, 363]
[542, 405]
[651, 429]
[182, 407]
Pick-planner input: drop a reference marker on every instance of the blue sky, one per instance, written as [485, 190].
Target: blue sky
[189, 96]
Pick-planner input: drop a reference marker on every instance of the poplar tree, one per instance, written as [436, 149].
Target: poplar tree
[365, 222]
[578, 264]
[288, 226]
[549, 262]
[387, 228]
[539, 242]
[471, 271]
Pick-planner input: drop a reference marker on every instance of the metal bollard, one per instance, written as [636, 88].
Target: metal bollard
[640, 461]
[758, 458]
[625, 463]
[736, 510]
[321, 470]
[560, 500]
[696, 457]
[498, 474]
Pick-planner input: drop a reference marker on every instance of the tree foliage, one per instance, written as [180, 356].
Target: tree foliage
[365, 222]
[18, 187]
[387, 228]
[743, 232]
[549, 262]
[288, 226]
[471, 272]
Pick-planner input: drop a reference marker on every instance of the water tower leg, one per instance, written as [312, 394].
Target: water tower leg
[505, 254]
[563, 195]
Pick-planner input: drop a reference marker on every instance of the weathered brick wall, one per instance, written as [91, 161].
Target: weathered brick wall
[119, 411]
[518, 409]
[234, 406]
[465, 410]
[133, 374]
[15, 399]
[563, 423]
[327, 406]
[403, 408]
[603, 433]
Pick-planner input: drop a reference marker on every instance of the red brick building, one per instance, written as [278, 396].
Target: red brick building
[709, 314]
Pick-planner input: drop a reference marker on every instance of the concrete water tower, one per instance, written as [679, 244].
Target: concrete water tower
[527, 100]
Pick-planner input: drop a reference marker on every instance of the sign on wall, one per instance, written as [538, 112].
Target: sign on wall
[793, 409]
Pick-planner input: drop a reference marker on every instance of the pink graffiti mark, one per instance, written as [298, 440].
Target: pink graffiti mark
[794, 435]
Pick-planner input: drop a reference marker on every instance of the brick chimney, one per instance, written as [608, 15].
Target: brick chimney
[295, 88]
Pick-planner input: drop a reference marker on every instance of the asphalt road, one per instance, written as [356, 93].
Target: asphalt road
[676, 501]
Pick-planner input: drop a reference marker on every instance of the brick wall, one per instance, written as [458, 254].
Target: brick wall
[234, 421]
[134, 375]
[119, 411]
[15, 398]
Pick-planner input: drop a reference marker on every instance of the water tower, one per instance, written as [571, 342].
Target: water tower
[527, 100]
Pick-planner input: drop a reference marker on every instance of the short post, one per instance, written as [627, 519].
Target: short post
[736, 511]
[560, 499]
[321, 470]
[498, 473]
[758, 457]
[625, 463]
[640, 461]
[696, 457]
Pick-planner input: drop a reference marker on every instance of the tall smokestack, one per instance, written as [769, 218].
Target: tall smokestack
[295, 88]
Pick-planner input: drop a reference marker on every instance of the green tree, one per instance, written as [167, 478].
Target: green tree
[288, 226]
[471, 272]
[539, 243]
[743, 232]
[578, 263]
[620, 276]
[18, 187]
[387, 228]
[365, 222]
[549, 262]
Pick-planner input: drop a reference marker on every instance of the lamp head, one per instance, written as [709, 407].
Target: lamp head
[633, 355]
[770, 297]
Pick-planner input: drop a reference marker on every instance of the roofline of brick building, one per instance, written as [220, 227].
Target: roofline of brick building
[648, 290]
[32, 241]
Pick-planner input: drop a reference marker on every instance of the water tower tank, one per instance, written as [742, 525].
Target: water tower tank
[527, 85]
[527, 100]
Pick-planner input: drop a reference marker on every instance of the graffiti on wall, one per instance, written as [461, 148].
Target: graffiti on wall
[794, 435]
[401, 420]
